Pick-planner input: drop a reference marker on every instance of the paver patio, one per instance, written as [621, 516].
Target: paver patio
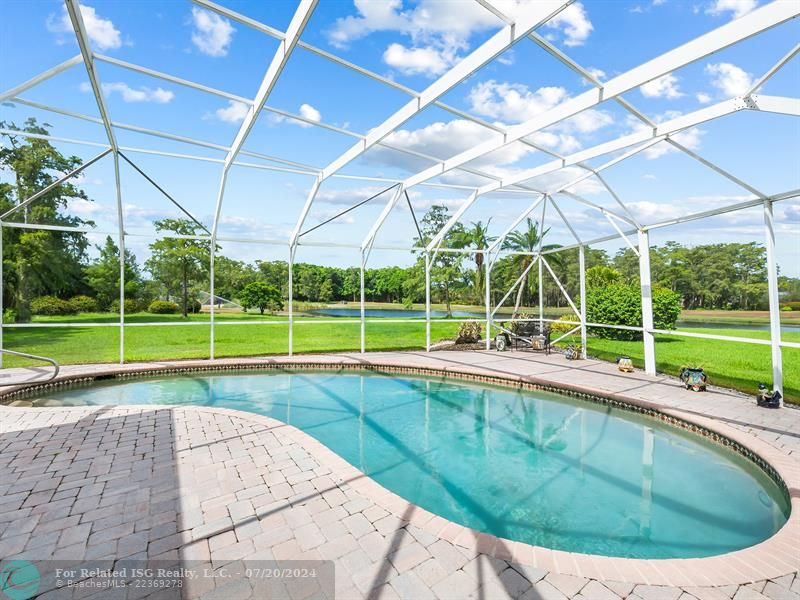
[219, 486]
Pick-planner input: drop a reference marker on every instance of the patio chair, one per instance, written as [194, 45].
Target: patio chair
[529, 335]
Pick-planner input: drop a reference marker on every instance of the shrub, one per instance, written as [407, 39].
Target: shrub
[469, 332]
[131, 306]
[786, 308]
[83, 304]
[162, 307]
[621, 304]
[793, 305]
[193, 306]
[51, 306]
[565, 323]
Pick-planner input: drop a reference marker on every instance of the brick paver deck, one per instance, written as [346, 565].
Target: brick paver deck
[218, 486]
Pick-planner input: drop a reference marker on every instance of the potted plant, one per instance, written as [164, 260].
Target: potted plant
[694, 378]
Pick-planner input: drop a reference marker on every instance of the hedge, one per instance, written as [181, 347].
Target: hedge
[131, 306]
[51, 306]
[163, 307]
[621, 304]
[83, 304]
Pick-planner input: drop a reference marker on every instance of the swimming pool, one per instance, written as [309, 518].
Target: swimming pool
[529, 466]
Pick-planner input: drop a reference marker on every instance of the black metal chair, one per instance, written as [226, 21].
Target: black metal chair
[531, 336]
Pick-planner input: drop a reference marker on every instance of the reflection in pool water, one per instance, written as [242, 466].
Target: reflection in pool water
[532, 467]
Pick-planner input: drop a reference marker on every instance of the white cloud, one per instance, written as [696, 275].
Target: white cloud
[574, 23]
[439, 31]
[514, 103]
[86, 209]
[703, 98]
[235, 112]
[737, 8]
[142, 94]
[598, 74]
[306, 111]
[129, 94]
[427, 60]
[310, 113]
[663, 87]
[101, 31]
[507, 58]
[649, 176]
[443, 140]
[729, 79]
[211, 34]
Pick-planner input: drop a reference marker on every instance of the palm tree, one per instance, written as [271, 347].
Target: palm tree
[477, 237]
[526, 241]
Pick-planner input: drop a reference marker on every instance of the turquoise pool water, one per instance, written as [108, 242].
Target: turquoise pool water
[534, 467]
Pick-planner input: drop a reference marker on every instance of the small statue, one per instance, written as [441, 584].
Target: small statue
[573, 352]
[694, 378]
[768, 398]
[625, 364]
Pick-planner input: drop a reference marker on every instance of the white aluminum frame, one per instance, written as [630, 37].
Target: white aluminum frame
[512, 32]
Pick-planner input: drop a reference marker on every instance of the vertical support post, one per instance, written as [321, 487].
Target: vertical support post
[487, 298]
[647, 303]
[541, 295]
[427, 302]
[774, 300]
[220, 195]
[121, 226]
[363, 313]
[291, 298]
[212, 299]
[582, 271]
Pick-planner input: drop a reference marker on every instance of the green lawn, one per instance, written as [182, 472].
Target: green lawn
[730, 364]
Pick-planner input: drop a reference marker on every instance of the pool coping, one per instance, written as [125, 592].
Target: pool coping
[774, 557]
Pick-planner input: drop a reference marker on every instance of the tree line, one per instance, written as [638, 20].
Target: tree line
[44, 263]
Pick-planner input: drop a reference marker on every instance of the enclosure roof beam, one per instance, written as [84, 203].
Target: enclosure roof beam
[74, 11]
[279, 60]
[724, 36]
[283, 113]
[171, 78]
[717, 169]
[538, 14]
[565, 220]
[55, 184]
[775, 68]
[775, 104]
[366, 245]
[233, 15]
[437, 239]
[662, 129]
[501, 238]
[168, 136]
[544, 169]
[34, 81]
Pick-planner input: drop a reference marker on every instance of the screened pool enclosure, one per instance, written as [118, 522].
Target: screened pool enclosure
[544, 190]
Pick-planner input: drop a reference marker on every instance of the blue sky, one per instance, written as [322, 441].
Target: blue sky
[412, 43]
